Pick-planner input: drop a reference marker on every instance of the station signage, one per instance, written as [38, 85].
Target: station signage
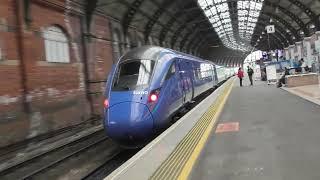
[270, 29]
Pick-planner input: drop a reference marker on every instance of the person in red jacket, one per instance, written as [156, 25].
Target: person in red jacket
[240, 75]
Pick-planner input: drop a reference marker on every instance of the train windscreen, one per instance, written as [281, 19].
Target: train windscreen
[133, 75]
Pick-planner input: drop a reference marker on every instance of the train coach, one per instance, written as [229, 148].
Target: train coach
[147, 86]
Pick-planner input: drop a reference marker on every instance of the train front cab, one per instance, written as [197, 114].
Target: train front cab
[128, 119]
[141, 96]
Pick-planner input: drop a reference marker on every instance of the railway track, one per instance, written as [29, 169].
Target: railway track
[57, 162]
[93, 156]
[105, 169]
[67, 131]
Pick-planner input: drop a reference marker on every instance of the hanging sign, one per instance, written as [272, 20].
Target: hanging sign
[270, 29]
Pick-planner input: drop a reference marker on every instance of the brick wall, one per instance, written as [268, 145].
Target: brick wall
[12, 116]
[100, 60]
[55, 94]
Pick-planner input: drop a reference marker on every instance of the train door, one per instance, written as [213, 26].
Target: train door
[185, 68]
[213, 74]
[173, 88]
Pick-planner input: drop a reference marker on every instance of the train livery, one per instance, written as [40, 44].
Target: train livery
[147, 86]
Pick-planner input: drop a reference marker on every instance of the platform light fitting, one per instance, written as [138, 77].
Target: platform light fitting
[312, 26]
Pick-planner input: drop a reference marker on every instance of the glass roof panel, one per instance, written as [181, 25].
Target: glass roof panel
[217, 11]
[248, 13]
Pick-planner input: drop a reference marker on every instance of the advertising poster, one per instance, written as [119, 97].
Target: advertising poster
[257, 73]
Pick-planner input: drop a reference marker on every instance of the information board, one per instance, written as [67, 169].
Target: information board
[257, 73]
[271, 72]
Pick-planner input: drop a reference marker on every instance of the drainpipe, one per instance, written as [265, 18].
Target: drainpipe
[85, 63]
[20, 38]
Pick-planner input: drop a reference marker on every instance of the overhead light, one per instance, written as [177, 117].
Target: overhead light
[312, 26]
[215, 46]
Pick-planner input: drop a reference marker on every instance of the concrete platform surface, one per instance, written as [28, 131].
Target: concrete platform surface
[310, 93]
[277, 139]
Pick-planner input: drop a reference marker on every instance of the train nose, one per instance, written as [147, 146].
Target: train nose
[129, 123]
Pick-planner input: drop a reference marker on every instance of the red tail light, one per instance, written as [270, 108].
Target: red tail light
[106, 103]
[154, 95]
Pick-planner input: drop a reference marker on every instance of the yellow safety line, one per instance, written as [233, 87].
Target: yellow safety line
[180, 162]
[184, 174]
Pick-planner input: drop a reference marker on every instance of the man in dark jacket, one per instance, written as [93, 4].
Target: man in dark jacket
[282, 80]
[250, 74]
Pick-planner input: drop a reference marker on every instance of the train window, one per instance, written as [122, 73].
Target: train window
[171, 72]
[133, 74]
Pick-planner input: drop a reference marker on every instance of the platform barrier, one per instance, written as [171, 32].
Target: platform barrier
[302, 80]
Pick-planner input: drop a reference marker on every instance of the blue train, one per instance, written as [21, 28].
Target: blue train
[148, 86]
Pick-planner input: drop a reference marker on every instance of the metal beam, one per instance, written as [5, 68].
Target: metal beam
[131, 12]
[156, 16]
[285, 24]
[277, 26]
[181, 28]
[172, 20]
[293, 16]
[262, 25]
[90, 7]
[312, 15]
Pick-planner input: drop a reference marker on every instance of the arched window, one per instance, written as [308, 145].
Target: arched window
[56, 45]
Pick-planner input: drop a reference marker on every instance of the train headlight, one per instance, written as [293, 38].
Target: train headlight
[154, 95]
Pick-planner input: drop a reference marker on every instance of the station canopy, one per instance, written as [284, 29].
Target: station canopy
[224, 31]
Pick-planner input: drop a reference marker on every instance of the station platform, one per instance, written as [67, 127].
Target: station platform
[278, 138]
[310, 92]
[237, 133]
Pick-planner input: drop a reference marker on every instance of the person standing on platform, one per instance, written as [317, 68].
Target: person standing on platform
[250, 74]
[299, 68]
[240, 75]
